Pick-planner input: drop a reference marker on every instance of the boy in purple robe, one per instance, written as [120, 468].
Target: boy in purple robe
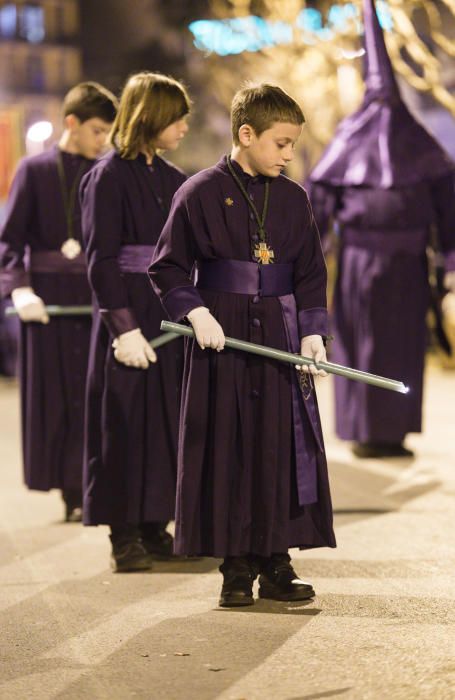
[41, 262]
[252, 474]
[390, 187]
[133, 394]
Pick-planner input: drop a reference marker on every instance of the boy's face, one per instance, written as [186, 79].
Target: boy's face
[89, 137]
[170, 137]
[269, 153]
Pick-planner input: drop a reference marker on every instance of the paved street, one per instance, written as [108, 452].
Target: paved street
[382, 626]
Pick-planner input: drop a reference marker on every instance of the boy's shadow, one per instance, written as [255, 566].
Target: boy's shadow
[275, 607]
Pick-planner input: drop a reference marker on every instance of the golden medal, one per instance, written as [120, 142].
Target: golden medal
[71, 248]
[263, 253]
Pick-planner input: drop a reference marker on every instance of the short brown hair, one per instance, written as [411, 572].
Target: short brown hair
[89, 100]
[261, 106]
[149, 103]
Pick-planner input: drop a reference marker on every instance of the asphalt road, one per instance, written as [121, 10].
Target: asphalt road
[382, 625]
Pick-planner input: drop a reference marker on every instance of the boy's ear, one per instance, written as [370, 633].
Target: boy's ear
[71, 122]
[246, 133]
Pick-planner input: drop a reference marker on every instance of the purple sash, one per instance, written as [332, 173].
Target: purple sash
[240, 277]
[53, 261]
[411, 242]
[135, 258]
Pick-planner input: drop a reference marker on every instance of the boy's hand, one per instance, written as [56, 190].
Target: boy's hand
[133, 350]
[29, 306]
[207, 330]
[312, 346]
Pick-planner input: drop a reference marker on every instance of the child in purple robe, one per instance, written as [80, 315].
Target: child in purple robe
[41, 262]
[133, 394]
[252, 475]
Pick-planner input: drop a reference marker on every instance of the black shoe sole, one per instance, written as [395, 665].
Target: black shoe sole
[272, 593]
[144, 564]
[235, 602]
[175, 557]
[364, 452]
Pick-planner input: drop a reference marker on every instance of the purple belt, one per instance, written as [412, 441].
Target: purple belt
[135, 258]
[51, 261]
[412, 242]
[276, 280]
[241, 277]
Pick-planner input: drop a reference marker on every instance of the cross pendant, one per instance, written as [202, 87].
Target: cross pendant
[263, 254]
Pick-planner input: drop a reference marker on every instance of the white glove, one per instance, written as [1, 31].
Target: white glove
[29, 306]
[133, 350]
[207, 330]
[312, 346]
[449, 281]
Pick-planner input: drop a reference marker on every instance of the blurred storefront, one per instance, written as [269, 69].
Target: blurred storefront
[40, 59]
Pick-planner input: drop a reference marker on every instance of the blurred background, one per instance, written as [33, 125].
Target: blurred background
[312, 49]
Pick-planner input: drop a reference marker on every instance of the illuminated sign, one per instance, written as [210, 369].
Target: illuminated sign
[233, 36]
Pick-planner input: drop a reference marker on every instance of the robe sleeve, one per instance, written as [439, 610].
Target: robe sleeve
[173, 262]
[310, 281]
[443, 196]
[102, 216]
[15, 232]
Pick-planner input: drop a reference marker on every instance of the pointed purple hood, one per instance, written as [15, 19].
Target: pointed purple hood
[382, 144]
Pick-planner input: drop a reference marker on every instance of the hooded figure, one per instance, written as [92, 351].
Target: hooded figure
[389, 186]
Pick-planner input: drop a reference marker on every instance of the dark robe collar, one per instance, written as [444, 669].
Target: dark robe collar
[246, 178]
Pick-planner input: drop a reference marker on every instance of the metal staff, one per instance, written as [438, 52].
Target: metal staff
[295, 359]
[55, 310]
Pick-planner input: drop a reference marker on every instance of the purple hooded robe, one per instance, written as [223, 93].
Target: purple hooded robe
[389, 187]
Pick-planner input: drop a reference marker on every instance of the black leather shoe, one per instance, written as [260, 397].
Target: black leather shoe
[378, 450]
[238, 578]
[73, 506]
[157, 541]
[279, 581]
[128, 552]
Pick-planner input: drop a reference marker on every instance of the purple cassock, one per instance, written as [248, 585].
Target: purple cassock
[53, 357]
[387, 184]
[132, 414]
[252, 473]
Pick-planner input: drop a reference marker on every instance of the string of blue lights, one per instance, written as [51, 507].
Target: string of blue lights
[252, 33]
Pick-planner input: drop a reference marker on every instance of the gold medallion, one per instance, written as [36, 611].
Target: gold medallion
[263, 254]
[229, 202]
[71, 248]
